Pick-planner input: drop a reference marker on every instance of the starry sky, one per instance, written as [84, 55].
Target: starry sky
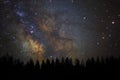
[41, 29]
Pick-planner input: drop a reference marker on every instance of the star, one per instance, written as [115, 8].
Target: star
[113, 22]
[72, 1]
[103, 37]
[84, 17]
[50, 1]
[32, 26]
[21, 14]
[109, 35]
[31, 32]
[98, 43]
[36, 13]
[51, 56]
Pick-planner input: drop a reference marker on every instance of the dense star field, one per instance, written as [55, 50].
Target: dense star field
[41, 29]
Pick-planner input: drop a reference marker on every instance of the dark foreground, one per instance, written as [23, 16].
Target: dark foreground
[10, 68]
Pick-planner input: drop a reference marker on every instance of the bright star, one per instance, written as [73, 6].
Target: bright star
[113, 22]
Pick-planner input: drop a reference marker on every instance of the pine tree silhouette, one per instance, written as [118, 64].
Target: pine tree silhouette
[57, 67]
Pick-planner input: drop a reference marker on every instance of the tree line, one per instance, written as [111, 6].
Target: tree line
[64, 66]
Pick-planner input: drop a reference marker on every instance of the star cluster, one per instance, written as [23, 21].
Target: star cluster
[41, 29]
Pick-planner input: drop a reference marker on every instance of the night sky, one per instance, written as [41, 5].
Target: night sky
[41, 29]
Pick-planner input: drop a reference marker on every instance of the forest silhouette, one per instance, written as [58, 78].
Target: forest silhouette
[63, 67]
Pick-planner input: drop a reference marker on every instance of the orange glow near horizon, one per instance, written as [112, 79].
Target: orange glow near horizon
[36, 47]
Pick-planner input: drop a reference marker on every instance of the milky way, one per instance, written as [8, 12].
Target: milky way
[41, 29]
